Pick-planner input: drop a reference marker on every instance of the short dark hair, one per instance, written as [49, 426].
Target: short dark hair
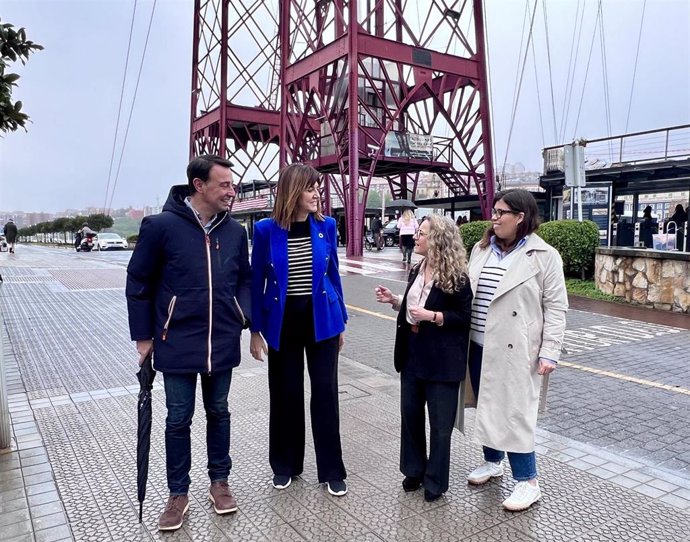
[200, 167]
[521, 201]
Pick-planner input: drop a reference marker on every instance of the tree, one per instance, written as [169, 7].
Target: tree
[99, 221]
[13, 46]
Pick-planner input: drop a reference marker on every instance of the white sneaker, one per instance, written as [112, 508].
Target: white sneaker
[484, 472]
[524, 495]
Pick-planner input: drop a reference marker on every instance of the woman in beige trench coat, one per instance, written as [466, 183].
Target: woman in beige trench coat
[518, 324]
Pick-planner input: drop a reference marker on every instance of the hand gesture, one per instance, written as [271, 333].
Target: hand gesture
[257, 346]
[384, 295]
[419, 313]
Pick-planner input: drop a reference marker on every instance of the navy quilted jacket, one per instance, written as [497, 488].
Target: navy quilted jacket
[189, 291]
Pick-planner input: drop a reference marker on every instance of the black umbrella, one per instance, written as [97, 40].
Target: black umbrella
[145, 376]
[400, 204]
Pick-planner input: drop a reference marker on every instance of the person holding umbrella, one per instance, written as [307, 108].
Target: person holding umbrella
[188, 298]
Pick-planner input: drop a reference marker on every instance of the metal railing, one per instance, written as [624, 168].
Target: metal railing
[636, 148]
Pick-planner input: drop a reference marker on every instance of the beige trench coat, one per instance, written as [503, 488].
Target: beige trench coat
[525, 321]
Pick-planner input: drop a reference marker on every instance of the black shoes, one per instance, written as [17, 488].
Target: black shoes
[431, 497]
[281, 481]
[410, 483]
[337, 488]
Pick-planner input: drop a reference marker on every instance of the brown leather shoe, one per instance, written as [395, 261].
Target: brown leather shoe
[223, 501]
[172, 517]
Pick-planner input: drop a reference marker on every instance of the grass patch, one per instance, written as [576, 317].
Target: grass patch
[587, 288]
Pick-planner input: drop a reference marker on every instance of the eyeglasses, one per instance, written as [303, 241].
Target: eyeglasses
[420, 233]
[498, 213]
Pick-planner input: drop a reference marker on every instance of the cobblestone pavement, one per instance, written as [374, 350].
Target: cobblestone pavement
[70, 474]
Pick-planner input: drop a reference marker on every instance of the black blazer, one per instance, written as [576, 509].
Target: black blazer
[436, 353]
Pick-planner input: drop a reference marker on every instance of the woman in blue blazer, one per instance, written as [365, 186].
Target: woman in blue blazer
[298, 299]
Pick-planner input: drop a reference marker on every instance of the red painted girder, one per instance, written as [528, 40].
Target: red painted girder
[238, 113]
[401, 52]
[379, 48]
[439, 86]
[315, 61]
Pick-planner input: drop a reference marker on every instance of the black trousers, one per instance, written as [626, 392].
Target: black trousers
[286, 389]
[442, 401]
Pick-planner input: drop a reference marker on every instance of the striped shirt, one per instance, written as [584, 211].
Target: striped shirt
[489, 279]
[299, 259]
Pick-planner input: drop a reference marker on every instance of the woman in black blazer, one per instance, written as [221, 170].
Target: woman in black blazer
[431, 352]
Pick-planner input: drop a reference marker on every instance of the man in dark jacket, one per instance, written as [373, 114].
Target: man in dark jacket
[11, 234]
[188, 296]
[376, 232]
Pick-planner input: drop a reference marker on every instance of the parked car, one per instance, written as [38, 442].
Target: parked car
[391, 233]
[110, 241]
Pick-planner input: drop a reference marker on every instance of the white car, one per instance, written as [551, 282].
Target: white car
[110, 241]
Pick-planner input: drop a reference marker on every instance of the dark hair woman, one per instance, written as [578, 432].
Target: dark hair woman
[298, 307]
[518, 324]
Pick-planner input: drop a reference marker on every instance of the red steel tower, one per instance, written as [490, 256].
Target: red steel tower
[356, 88]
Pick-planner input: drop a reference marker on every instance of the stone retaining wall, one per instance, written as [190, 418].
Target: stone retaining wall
[652, 278]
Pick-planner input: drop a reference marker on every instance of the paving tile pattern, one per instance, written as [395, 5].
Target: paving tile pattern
[71, 474]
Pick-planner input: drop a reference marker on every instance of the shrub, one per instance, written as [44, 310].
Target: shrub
[472, 232]
[133, 238]
[575, 241]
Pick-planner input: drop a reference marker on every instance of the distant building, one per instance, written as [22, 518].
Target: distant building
[136, 214]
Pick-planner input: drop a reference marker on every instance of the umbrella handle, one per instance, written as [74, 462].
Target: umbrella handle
[141, 510]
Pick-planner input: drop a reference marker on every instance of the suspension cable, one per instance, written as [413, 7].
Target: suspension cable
[571, 86]
[488, 86]
[548, 56]
[536, 79]
[584, 84]
[119, 108]
[131, 109]
[637, 55]
[517, 98]
[604, 67]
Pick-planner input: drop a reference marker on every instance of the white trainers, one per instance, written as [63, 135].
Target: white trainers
[484, 472]
[524, 495]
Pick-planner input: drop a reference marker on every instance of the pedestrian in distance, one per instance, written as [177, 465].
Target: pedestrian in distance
[646, 227]
[518, 324]
[188, 296]
[677, 220]
[376, 228]
[408, 228]
[11, 235]
[298, 308]
[431, 352]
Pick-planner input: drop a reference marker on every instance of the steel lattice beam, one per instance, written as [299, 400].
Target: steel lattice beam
[357, 88]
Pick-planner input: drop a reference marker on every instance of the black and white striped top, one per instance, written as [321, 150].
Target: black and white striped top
[489, 279]
[299, 259]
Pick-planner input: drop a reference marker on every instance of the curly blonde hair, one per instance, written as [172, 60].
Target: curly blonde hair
[446, 255]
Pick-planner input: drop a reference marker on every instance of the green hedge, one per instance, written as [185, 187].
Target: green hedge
[472, 232]
[133, 238]
[575, 241]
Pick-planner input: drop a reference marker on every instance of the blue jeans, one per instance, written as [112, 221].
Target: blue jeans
[180, 392]
[523, 465]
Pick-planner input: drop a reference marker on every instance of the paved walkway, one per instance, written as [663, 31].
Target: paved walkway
[70, 474]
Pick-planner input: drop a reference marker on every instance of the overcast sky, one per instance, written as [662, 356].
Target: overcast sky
[71, 90]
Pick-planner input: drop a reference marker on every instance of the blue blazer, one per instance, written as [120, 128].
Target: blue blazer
[270, 277]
